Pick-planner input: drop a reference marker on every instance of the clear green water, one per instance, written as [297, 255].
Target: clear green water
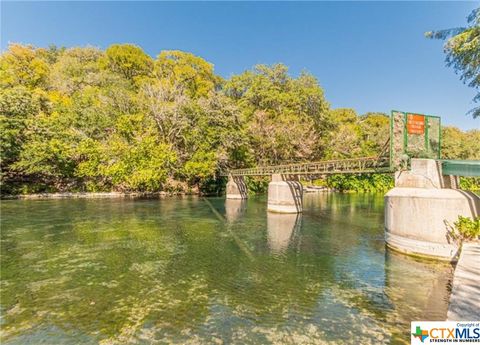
[195, 271]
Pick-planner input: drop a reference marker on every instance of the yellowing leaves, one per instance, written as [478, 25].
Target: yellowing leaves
[57, 97]
[22, 65]
[191, 71]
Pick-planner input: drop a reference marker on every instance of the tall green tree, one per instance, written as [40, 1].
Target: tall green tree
[457, 144]
[284, 116]
[94, 120]
[193, 73]
[23, 65]
[128, 60]
[462, 47]
[17, 105]
[375, 133]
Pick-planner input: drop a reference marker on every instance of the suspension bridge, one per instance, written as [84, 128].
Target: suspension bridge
[426, 199]
[411, 136]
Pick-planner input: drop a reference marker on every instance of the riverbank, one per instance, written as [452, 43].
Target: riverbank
[102, 195]
[91, 195]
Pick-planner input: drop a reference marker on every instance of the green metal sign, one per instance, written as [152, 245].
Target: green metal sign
[413, 135]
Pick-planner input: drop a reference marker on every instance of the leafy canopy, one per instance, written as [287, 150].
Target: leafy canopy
[462, 48]
[86, 119]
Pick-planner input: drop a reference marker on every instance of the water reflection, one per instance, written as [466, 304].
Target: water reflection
[423, 283]
[234, 209]
[281, 228]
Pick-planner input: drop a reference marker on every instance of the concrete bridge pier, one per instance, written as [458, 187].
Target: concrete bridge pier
[421, 209]
[284, 195]
[236, 188]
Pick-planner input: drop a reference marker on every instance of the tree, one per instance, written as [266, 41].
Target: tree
[86, 119]
[375, 132]
[128, 60]
[215, 136]
[16, 105]
[457, 144]
[463, 52]
[23, 65]
[134, 158]
[76, 69]
[354, 136]
[192, 72]
[344, 140]
[283, 116]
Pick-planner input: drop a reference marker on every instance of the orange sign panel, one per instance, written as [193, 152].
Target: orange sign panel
[415, 124]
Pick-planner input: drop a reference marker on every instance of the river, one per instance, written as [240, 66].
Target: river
[190, 270]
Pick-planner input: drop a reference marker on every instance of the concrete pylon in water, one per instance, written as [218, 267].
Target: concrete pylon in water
[284, 196]
[236, 188]
[421, 209]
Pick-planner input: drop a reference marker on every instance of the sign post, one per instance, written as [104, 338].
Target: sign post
[413, 135]
[415, 124]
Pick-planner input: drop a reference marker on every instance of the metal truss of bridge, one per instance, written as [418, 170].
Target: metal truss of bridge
[426, 198]
[338, 166]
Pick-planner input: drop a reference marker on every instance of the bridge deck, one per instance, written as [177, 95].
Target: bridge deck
[339, 166]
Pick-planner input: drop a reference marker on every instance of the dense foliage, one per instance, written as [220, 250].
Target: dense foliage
[362, 183]
[83, 119]
[462, 48]
[457, 144]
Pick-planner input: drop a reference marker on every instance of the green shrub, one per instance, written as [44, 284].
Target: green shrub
[360, 183]
[470, 183]
[464, 229]
[467, 228]
[257, 185]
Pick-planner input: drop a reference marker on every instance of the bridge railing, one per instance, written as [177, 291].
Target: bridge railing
[461, 167]
[349, 165]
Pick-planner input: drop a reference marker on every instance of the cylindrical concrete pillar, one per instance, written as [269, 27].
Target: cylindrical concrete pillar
[236, 188]
[284, 196]
[419, 221]
[420, 211]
